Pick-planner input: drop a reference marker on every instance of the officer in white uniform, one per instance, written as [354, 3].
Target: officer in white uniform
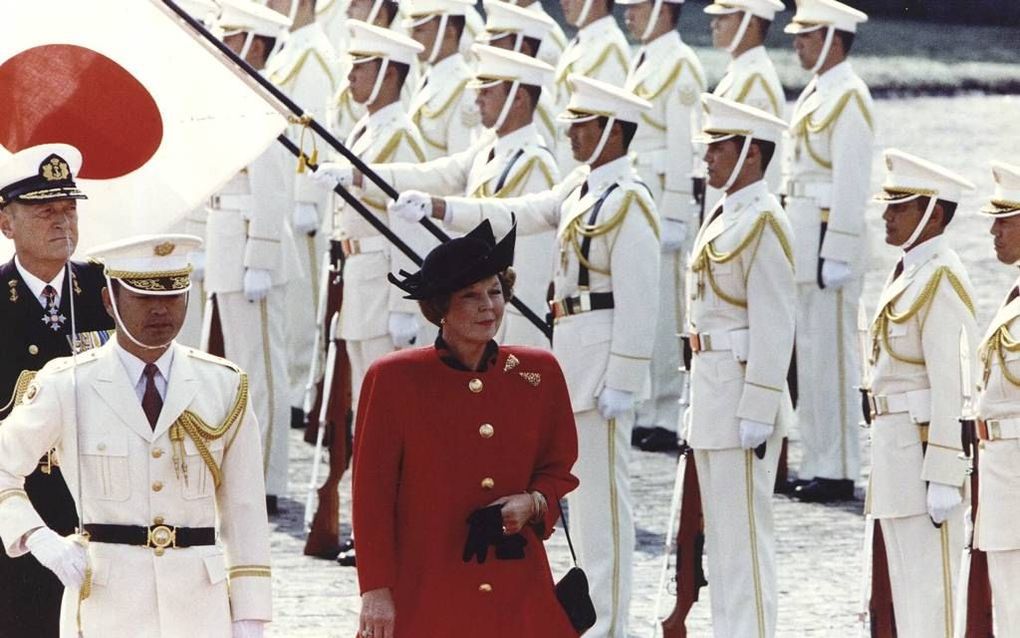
[917, 469]
[740, 27]
[998, 407]
[599, 51]
[667, 73]
[605, 292]
[250, 260]
[509, 160]
[526, 31]
[741, 317]
[306, 69]
[826, 177]
[161, 450]
[332, 15]
[375, 319]
[553, 43]
[442, 107]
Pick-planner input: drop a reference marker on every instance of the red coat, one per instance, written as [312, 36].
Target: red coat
[423, 462]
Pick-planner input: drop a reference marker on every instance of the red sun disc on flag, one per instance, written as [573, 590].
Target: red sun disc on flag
[74, 95]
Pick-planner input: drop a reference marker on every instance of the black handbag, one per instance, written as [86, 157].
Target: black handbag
[572, 591]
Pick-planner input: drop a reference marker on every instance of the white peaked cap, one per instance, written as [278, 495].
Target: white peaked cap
[726, 118]
[590, 97]
[416, 10]
[908, 176]
[149, 264]
[1005, 201]
[41, 173]
[370, 41]
[503, 17]
[766, 9]
[499, 65]
[252, 17]
[813, 14]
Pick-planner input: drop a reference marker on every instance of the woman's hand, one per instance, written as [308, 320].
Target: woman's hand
[377, 614]
[518, 511]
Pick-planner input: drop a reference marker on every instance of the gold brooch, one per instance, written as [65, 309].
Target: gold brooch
[511, 363]
[533, 378]
[164, 249]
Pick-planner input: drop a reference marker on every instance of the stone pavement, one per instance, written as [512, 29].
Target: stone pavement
[819, 548]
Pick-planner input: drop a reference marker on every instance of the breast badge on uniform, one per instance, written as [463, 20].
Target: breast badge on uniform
[688, 96]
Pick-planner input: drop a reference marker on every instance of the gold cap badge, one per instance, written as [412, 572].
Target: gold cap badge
[54, 169]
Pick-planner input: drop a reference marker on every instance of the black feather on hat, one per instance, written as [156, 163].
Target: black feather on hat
[459, 263]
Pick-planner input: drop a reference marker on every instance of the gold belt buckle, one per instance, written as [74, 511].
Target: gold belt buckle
[695, 340]
[161, 537]
[988, 430]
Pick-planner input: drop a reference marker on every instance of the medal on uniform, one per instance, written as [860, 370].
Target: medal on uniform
[53, 319]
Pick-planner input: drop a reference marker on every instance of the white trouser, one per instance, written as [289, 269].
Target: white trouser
[736, 495]
[601, 523]
[662, 408]
[924, 563]
[362, 353]
[1004, 575]
[302, 310]
[253, 339]
[828, 368]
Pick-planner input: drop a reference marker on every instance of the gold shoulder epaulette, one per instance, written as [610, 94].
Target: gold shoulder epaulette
[853, 95]
[20, 389]
[749, 84]
[610, 49]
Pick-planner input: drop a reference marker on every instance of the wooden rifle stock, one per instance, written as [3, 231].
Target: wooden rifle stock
[880, 609]
[334, 295]
[690, 546]
[335, 415]
[979, 587]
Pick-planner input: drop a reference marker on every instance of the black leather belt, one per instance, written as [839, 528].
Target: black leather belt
[158, 537]
[584, 302]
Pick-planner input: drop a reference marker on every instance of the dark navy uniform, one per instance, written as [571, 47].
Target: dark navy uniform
[30, 593]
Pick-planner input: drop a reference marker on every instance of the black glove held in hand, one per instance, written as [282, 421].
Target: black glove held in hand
[485, 528]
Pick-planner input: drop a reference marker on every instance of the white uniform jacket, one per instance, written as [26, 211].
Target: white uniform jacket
[916, 359]
[128, 478]
[828, 170]
[598, 348]
[388, 135]
[246, 226]
[599, 50]
[667, 73]
[444, 110]
[554, 42]
[332, 15]
[306, 70]
[742, 305]
[751, 79]
[509, 166]
[999, 400]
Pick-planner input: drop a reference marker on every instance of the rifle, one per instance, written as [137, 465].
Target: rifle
[330, 293]
[334, 418]
[974, 590]
[687, 519]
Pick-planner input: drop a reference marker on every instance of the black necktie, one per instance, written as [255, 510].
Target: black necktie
[898, 270]
[152, 403]
[1013, 294]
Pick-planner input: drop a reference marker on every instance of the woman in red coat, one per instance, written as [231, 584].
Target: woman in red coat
[445, 432]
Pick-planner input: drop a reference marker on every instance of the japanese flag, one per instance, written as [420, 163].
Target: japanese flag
[161, 118]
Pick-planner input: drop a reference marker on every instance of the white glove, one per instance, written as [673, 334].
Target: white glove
[672, 235]
[197, 260]
[754, 433]
[941, 500]
[246, 629]
[412, 206]
[403, 328]
[329, 175]
[257, 283]
[306, 219]
[615, 403]
[62, 556]
[835, 273]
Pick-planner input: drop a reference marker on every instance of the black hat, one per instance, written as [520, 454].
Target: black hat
[459, 263]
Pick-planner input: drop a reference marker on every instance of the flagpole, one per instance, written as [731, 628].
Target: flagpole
[306, 119]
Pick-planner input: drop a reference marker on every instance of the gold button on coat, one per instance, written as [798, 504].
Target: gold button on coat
[488, 483]
[485, 587]
[157, 486]
[486, 431]
[33, 349]
[157, 452]
[475, 385]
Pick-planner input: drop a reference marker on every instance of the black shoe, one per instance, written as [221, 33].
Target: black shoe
[823, 490]
[272, 505]
[638, 434]
[347, 559]
[347, 546]
[297, 418]
[790, 486]
[659, 440]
